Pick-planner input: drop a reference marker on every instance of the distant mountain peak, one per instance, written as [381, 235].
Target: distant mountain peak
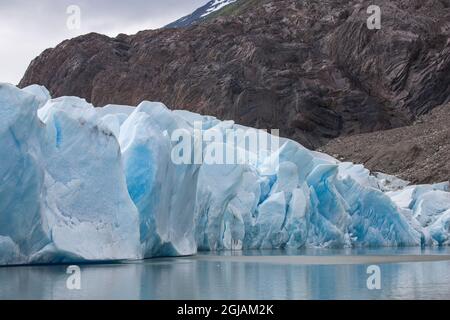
[216, 5]
[201, 13]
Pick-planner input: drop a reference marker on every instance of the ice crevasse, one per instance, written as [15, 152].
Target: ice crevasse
[80, 184]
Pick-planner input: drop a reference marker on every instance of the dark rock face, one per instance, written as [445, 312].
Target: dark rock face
[311, 68]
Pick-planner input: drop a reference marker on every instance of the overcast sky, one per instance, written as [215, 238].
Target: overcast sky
[27, 27]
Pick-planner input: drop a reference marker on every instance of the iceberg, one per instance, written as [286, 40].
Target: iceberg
[86, 184]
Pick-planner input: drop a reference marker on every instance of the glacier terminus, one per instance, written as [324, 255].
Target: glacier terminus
[82, 184]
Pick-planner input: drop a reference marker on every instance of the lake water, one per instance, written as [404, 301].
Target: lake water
[213, 276]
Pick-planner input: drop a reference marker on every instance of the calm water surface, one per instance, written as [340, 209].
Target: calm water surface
[193, 278]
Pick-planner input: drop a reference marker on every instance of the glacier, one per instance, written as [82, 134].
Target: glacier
[86, 184]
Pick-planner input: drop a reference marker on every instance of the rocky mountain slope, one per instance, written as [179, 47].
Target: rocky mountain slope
[419, 153]
[310, 68]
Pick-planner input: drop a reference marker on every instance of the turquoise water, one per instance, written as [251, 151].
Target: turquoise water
[192, 278]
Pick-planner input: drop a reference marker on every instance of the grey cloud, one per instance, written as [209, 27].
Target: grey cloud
[28, 27]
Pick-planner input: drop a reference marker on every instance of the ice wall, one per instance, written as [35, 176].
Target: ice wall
[84, 184]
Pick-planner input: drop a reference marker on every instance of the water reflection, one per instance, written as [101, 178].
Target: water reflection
[189, 278]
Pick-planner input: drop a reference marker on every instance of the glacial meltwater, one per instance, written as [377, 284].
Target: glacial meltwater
[409, 273]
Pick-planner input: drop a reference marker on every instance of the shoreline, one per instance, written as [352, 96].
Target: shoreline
[323, 260]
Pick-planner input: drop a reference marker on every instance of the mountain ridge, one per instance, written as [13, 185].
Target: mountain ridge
[201, 13]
